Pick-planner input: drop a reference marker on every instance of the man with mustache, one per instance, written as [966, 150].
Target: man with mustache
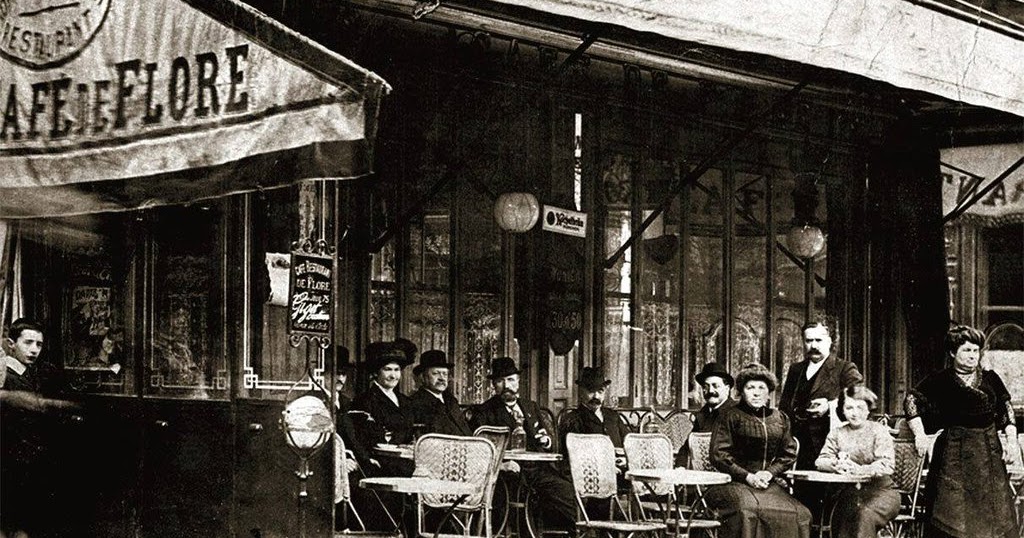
[433, 405]
[506, 408]
[591, 416]
[716, 386]
[813, 386]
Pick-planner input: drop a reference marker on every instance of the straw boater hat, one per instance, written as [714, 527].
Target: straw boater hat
[380, 354]
[503, 367]
[714, 369]
[435, 358]
[591, 378]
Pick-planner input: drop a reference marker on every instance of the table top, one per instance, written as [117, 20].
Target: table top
[398, 451]
[679, 477]
[822, 476]
[418, 484]
[527, 455]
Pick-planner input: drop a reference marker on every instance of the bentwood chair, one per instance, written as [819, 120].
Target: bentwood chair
[906, 477]
[461, 459]
[592, 463]
[655, 451]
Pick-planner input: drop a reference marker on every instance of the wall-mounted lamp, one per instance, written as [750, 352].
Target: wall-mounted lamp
[516, 212]
[805, 239]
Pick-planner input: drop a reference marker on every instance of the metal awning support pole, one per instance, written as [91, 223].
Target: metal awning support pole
[723, 149]
[378, 243]
[981, 194]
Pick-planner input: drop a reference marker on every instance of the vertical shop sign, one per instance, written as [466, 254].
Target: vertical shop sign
[311, 297]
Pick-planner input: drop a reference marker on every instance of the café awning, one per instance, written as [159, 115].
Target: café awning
[899, 42]
[112, 105]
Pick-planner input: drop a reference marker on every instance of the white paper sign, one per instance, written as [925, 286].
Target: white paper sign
[564, 221]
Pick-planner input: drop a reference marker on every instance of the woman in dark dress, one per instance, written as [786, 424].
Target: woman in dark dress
[968, 492]
[753, 444]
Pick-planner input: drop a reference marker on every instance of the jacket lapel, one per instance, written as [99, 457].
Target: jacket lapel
[824, 373]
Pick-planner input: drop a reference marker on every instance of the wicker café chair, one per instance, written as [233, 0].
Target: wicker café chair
[700, 451]
[592, 463]
[655, 451]
[461, 459]
[677, 426]
[906, 477]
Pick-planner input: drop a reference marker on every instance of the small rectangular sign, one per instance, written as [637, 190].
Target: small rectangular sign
[564, 221]
[311, 296]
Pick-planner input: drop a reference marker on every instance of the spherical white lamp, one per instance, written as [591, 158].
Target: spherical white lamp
[516, 212]
[805, 241]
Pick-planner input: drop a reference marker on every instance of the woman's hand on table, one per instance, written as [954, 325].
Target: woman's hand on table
[759, 480]
[846, 466]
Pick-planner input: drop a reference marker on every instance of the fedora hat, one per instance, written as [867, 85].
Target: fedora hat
[434, 358]
[380, 354]
[592, 378]
[503, 367]
[714, 369]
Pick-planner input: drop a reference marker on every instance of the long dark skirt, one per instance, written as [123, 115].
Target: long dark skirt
[968, 492]
[746, 512]
[861, 513]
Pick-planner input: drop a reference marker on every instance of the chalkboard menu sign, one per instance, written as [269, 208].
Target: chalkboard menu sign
[311, 295]
[564, 293]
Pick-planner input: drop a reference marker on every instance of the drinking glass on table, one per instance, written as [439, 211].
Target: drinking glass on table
[387, 437]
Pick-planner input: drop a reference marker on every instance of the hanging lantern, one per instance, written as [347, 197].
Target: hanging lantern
[516, 211]
[805, 241]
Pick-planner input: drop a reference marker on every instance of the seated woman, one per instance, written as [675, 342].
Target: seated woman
[866, 448]
[753, 443]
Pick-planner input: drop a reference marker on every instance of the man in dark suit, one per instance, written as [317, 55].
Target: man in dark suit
[716, 386]
[523, 416]
[591, 416]
[433, 405]
[812, 389]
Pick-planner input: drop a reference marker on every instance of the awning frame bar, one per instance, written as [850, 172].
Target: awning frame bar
[962, 208]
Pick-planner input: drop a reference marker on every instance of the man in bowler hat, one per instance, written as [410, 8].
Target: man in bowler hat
[506, 408]
[716, 385]
[592, 416]
[433, 405]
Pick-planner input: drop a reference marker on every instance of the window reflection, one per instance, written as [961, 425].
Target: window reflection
[186, 357]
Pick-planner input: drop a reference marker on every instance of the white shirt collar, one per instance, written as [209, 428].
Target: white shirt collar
[390, 393]
[438, 395]
[813, 367]
[14, 364]
[600, 415]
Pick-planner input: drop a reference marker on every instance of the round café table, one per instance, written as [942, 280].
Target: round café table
[419, 485]
[680, 477]
[828, 505]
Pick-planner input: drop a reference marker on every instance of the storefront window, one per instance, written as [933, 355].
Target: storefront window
[94, 255]
[272, 366]
[616, 189]
[186, 356]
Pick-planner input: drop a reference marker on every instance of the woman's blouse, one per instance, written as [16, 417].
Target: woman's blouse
[745, 440]
[945, 400]
[869, 446]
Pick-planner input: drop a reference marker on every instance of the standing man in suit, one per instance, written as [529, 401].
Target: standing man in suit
[813, 386]
[433, 405]
[507, 409]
